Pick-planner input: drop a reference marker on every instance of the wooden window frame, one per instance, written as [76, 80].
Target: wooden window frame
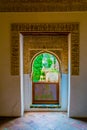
[34, 101]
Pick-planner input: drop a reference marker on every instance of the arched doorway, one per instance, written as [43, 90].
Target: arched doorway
[46, 71]
[60, 53]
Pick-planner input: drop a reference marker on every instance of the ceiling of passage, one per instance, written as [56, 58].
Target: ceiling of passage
[42, 5]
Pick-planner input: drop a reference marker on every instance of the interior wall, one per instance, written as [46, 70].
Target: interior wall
[10, 99]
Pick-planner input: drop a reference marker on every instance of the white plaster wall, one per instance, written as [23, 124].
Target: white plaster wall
[27, 92]
[78, 90]
[10, 85]
[64, 92]
[21, 73]
[9, 96]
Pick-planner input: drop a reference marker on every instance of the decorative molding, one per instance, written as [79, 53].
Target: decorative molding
[42, 5]
[53, 28]
[30, 50]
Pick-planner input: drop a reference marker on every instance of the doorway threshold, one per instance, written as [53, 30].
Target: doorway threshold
[45, 106]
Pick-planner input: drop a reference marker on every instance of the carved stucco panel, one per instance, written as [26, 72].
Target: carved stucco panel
[61, 28]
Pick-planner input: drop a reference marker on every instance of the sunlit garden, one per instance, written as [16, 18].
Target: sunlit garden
[45, 68]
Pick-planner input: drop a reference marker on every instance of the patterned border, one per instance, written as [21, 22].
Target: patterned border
[72, 28]
[37, 42]
[42, 5]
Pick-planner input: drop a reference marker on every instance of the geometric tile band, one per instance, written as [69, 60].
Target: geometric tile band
[42, 5]
[60, 28]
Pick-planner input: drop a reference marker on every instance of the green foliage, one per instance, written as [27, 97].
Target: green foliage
[54, 60]
[44, 60]
[42, 73]
[37, 66]
[48, 61]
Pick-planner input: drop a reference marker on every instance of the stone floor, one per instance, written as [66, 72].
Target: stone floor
[43, 121]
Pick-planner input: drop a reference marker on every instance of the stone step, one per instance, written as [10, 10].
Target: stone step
[45, 106]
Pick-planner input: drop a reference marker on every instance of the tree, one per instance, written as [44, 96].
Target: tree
[47, 60]
[37, 67]
[44, 60]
